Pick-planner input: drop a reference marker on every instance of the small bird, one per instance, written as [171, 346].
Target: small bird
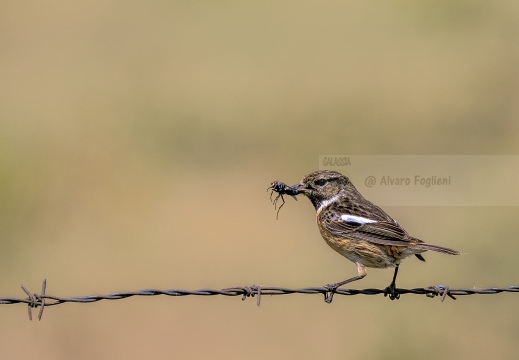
[358, 229]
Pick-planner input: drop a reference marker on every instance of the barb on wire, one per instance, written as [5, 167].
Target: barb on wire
[43, 300]
[35, 300]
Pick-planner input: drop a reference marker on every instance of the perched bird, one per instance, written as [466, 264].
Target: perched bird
[358, 229]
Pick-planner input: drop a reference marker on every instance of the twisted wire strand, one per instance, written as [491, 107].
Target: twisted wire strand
[42, 300]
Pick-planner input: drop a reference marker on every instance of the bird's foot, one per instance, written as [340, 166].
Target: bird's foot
[391, 291]
[330, 290]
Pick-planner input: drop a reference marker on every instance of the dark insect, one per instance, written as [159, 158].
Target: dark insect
[281, 189]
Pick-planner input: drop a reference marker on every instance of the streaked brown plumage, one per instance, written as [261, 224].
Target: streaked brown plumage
[358, 229]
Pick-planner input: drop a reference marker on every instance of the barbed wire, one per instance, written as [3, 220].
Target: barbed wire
[42, 300]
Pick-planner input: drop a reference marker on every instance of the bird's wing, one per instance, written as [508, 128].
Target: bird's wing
[361, 228]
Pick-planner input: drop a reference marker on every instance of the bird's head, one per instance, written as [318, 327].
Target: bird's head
[324, 185]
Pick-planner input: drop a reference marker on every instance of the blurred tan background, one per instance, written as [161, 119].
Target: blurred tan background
[137, 141]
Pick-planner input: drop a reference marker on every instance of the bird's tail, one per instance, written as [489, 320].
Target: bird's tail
[424, 246]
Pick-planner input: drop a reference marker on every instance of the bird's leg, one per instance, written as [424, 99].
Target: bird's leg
[328, 295]
[391, 289]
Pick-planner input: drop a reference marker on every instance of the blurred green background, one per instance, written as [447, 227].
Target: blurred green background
[137, 140]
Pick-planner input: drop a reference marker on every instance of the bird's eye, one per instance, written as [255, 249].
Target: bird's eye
[320, 182]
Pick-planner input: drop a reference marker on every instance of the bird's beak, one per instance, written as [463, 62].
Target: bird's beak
[297, 186]
[298, 189]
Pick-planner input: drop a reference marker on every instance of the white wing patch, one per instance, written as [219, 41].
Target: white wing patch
[356, 219]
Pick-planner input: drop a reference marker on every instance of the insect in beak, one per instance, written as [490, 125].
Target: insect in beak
[282, 189]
